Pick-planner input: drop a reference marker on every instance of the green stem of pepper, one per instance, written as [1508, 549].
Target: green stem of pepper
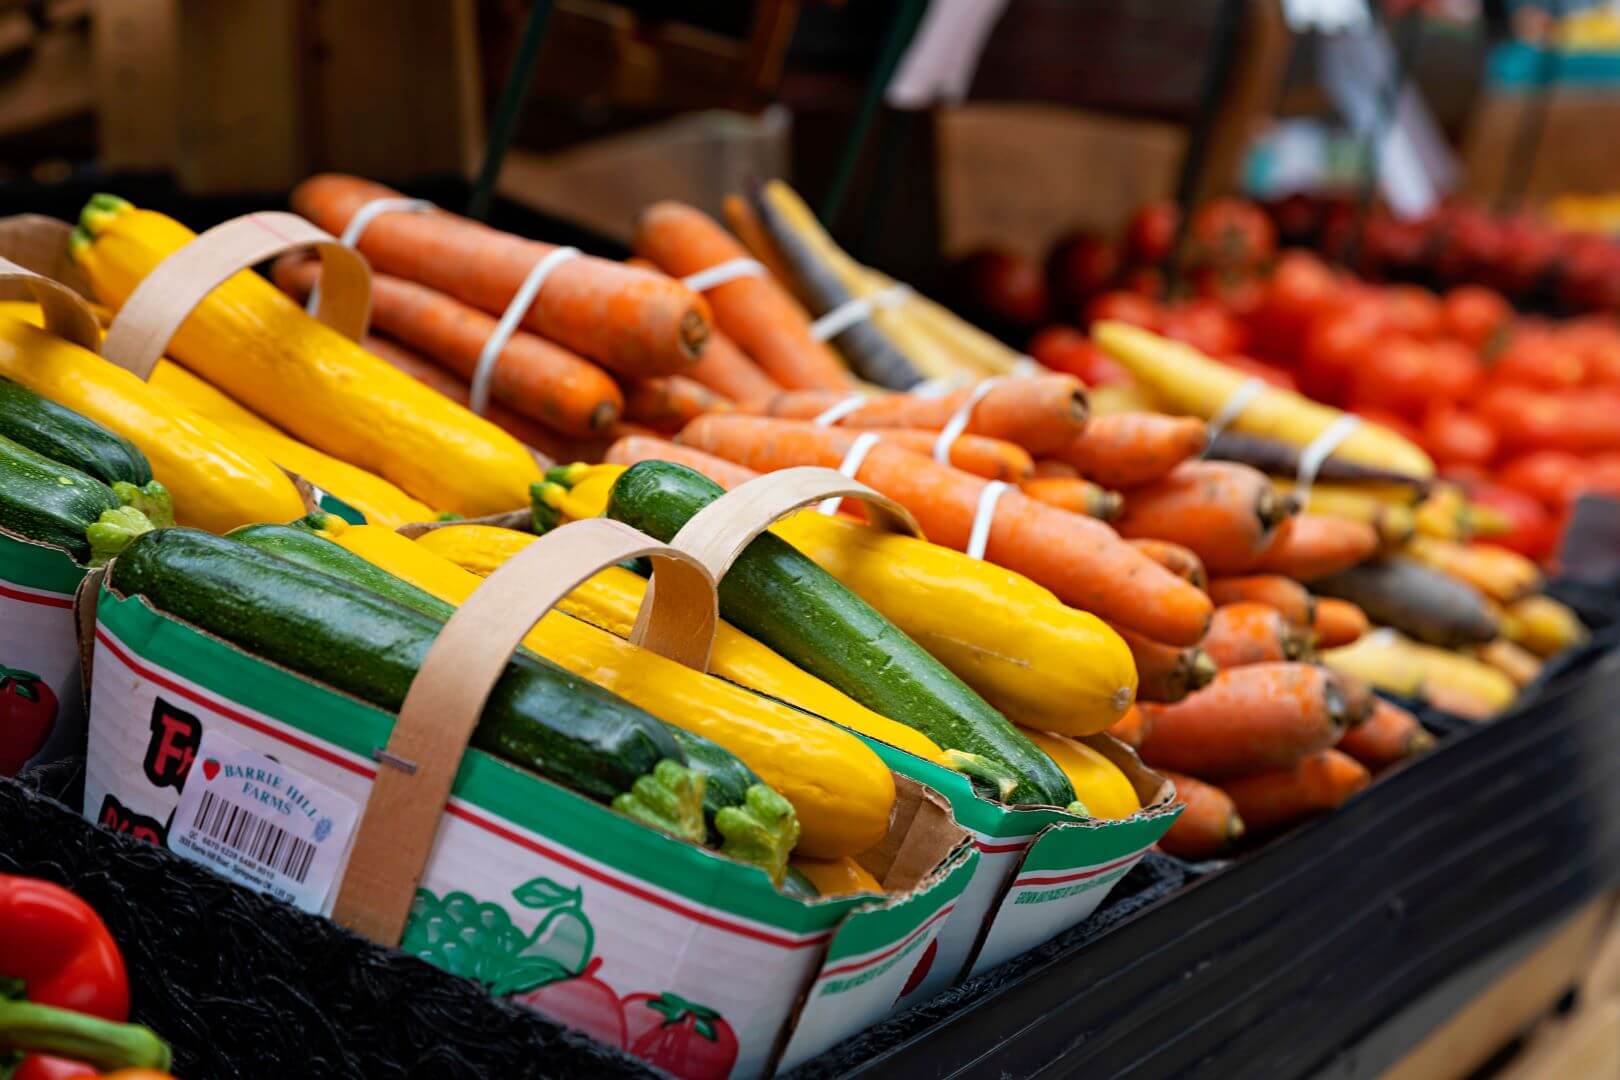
[44, 1029]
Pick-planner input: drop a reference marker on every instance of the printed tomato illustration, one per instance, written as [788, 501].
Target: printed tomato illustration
[688, 1040]
[925, 963]
[27, 714]
[584, 1003]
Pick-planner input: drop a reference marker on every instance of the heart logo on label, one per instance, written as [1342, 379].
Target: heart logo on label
[210, 769]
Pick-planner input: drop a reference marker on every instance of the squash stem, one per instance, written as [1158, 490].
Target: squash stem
[761, 832]
[111, 533]
[979, 767]
[100, 212]
[669, 799]
[151, 499]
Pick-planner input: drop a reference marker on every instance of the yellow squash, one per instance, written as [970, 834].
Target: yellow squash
[1445, 679]
[836, 877]
[1099, 785]
[254, 343]
[1502, 575]
[611, 599]
[217, 483]
[840, 789]
[1187, 381]
[203, 397]
[1388, 512]
[1543, 625]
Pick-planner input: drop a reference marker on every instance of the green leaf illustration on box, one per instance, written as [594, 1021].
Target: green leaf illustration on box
[477, 939]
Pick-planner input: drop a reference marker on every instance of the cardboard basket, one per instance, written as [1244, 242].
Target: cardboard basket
[642, 940]
[1041, 870]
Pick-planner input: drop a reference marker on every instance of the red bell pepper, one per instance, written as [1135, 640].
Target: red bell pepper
[63, 989]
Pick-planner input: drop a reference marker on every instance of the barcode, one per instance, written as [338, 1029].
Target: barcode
[265, 843]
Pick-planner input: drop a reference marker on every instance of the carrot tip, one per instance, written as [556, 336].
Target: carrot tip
[1235, 828]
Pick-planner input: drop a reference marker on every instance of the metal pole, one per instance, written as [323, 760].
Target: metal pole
[510, 108]
[1409, 35]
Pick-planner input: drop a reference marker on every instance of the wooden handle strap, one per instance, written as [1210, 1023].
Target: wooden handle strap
[67, 314]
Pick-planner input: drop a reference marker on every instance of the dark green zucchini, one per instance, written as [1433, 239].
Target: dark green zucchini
[539, 716]
[63, 435]
[785, 600]
[798, 884]
[48, 502]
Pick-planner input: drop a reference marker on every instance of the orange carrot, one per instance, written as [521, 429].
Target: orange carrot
[634, 448]
[1208, 826]
[1389, 735]
[1131, 728]
[1318, 545]
[1337, 622]
[1250, 719]
[1242, 634]
[754, 312]
[1359, 698]
[1164, 673]
[1178, 560]
[543, 381]
[537, 435]
[1225, 513]
[1054, 467]
[726, 369]
[1080, 559]
[632, 321]
[1041, 413]
[1125, 450]
[993, 459]
[669, 402]
[1317, 783]
[1286, 595]
[1074, 495]
[739, 214]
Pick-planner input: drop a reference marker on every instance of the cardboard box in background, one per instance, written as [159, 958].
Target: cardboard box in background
[1567, 156]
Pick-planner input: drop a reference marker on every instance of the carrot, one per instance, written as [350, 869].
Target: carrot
[1315, 784]
[1389, 735]
[1041, 413]
[1178, 560]
[739, 214]
[543, 381]
[1126, 450]
[1337, 622]
[1074, 495]
[1054, 467]
[669, 402]
[1209, 823]
[1284, 594]
[1318, 545]
[1164, 673]
[548, 442]
[1131, 728]
[1250, 719]
[634, 448]
[1225, 513]
[1359, 699]
[754, 312]
[1080, 559]
[1242, 634]
[993, 459]
[726, 369]
[632, 321]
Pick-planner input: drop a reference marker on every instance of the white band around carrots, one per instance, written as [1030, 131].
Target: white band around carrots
[1321, 448]
[721, 273]
[860, 309]
[369, 212]
[960, 419]
[838, 410]
[1027, 365]
[979, 537]
[478, 392]
[1233, 407]
[853, 460]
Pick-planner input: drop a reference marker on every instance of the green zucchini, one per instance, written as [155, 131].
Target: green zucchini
[787, 602]
[538, 716]
[798, 884]
[48, 502]
[63, 435]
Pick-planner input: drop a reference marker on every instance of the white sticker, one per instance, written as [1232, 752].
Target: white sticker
[260, 823]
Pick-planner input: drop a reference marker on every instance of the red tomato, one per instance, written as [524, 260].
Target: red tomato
[690, 1041]
[1478, 317]
[1238, 292]
[1124, 307]
[1004, 286]
[1205, 326]
[1336, 345]
[1151, 233]
[1147, 281]
[1301, 288]
[1414, 311]
[582, 1002]
[1533, 532]
[1079, 266]
[1408, 376]
[1272, 374]
[1400, 425]
[1579, 421]
[27, 715]
[1232, 233]
[1297, 217]
[1453, 436]
[1063, 348]
[1395, 247]
[1551, 477]
[1535, 357]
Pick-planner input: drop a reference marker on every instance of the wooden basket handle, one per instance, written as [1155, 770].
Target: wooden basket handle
[67, 314]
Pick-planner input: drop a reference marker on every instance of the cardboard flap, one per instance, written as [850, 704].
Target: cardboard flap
[443, 704]
[921, 829]
[84, 614]
[67, 314]
[160, 303]
[512, 519]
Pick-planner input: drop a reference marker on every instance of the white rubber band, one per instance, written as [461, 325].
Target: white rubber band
[838, 410]
[1028, 365]
[389, 204]
[1233, 407]
[979, 538]
[1321, 448]
[960, 419]
[478, 392]
[721, 273]
[850, 312]
[851, 465]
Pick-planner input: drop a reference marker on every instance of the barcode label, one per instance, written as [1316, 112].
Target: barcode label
[262, 822]
[266, 844]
